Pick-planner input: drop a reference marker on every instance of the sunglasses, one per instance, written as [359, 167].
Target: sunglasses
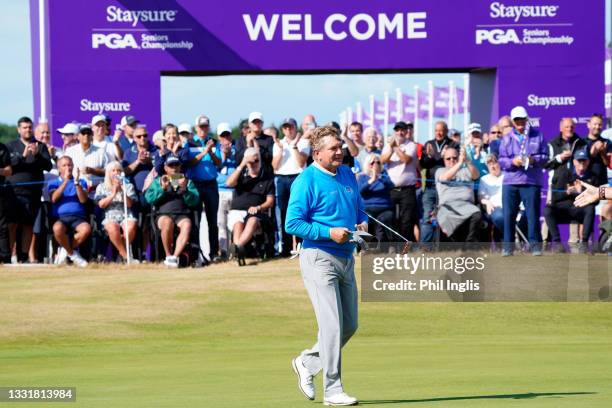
[375, 162]
[254, 161]
[495, 133]
[453, 158]
[140, 136]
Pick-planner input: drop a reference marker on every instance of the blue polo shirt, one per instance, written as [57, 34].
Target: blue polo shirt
[227, 168]
[69, 203]
[140, 174]
[205, 169]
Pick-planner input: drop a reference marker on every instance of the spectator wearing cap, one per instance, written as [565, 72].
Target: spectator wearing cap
[522, 156]
[5, 202]
[476, 149]
[202, 166]
[431, 161]
[399, 156]
[226, 193]
[174, 195]
[125, 132]
[254, 196]
[375, 188]
[458, 216]
[101, 138]
[69, 195]
[68, 134]
[89, 159]
[256, 138]
[202, 128]
[289, 160]
[566, 186]
[599, 149]
[29, 160]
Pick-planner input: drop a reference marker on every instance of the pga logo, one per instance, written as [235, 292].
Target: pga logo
[113, 41]
[497, 36]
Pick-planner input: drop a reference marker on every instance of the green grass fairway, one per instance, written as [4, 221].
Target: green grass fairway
[224, 336]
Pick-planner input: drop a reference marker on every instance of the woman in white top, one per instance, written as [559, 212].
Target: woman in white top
[109, 196]
[289, 156]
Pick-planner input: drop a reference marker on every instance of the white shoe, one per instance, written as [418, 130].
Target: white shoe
[78, 260]
[171, 261]
[14, 259]
[340, 399]
[134, 261]
[305, 383]
[62, 254]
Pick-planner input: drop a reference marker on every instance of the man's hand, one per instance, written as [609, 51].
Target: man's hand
[250, 138]
[462, 156]
[489, 207]
[164, 181]
[588, 196]
[30, 149]
[429, 151]
[339, 235]
[182, 184]
[517, 161]
[597, 147]
[209, 145]
[116, 135]
[253, 210]
[565, 155]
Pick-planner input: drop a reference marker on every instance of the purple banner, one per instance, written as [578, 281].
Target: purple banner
[544, 52]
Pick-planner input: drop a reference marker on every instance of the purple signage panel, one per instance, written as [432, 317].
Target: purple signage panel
[537, 47]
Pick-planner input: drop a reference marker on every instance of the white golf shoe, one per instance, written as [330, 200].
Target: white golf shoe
[61, 257]
[305, 383]
[77, 259]
[340, 399]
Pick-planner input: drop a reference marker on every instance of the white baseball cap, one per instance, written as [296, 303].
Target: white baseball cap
[184, 127]
[255, 116]
[98, 118]
[158, 135]
[474, 127]
[518, 112]
[69, 128]
[223, 127]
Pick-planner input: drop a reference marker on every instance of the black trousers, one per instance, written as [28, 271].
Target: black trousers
[5, 253]
[405, 198]
[564, 212]
[384, 215]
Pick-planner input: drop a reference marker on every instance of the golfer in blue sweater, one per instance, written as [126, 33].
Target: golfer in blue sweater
[324, 207]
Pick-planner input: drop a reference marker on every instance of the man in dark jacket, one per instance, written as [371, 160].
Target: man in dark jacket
[29, 158]
[565, 188]
[599, 149]
[256, 138]
[431, 161]
[562, 147]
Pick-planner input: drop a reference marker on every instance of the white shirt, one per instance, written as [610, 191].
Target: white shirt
[94, 157]
[109, 148]
[288, 164]
[491, 189]
[400, 173]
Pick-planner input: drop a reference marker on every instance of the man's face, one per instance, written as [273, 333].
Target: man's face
[129, 130]
[356, 132]
[581, 166]
[495, 133]
[253, 163]
[225, 139]
[400, 134]
[451, 156]
[330, 155]
[505, 126]
[520, 124]
[25, 131]
[141, 137]
[440, 131]
[370, 139]
[476, 135]
[494, 168]
[595, 126]
[409, 132]
[289, 131]
[256, 126]
[202, 130]
[69, 139]
[85, 137]
[99, 129]
[172, 169]
[65, 166]
[567, 128]
[42, 133]
[308, 123]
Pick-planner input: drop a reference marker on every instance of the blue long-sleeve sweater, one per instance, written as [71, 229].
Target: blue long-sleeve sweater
[320, 201]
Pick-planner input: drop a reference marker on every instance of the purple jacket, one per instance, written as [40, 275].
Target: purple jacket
[535, 147]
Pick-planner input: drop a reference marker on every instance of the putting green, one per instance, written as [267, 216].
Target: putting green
[224, 337]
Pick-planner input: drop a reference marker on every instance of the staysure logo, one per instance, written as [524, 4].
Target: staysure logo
[548, 101]
[117, 14]
[113, 41]
[336, 26]
[516, 13]
[91, 106]
[497, 36]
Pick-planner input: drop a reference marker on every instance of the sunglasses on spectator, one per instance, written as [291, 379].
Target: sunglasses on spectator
[495, 133]
[375, 162]
[452, 158]
[141, 136]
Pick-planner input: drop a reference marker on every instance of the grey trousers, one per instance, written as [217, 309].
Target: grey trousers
[330, 282]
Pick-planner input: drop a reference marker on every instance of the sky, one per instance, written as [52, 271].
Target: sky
[219, 97]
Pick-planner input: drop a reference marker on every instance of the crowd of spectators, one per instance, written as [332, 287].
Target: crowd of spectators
[102, 196]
